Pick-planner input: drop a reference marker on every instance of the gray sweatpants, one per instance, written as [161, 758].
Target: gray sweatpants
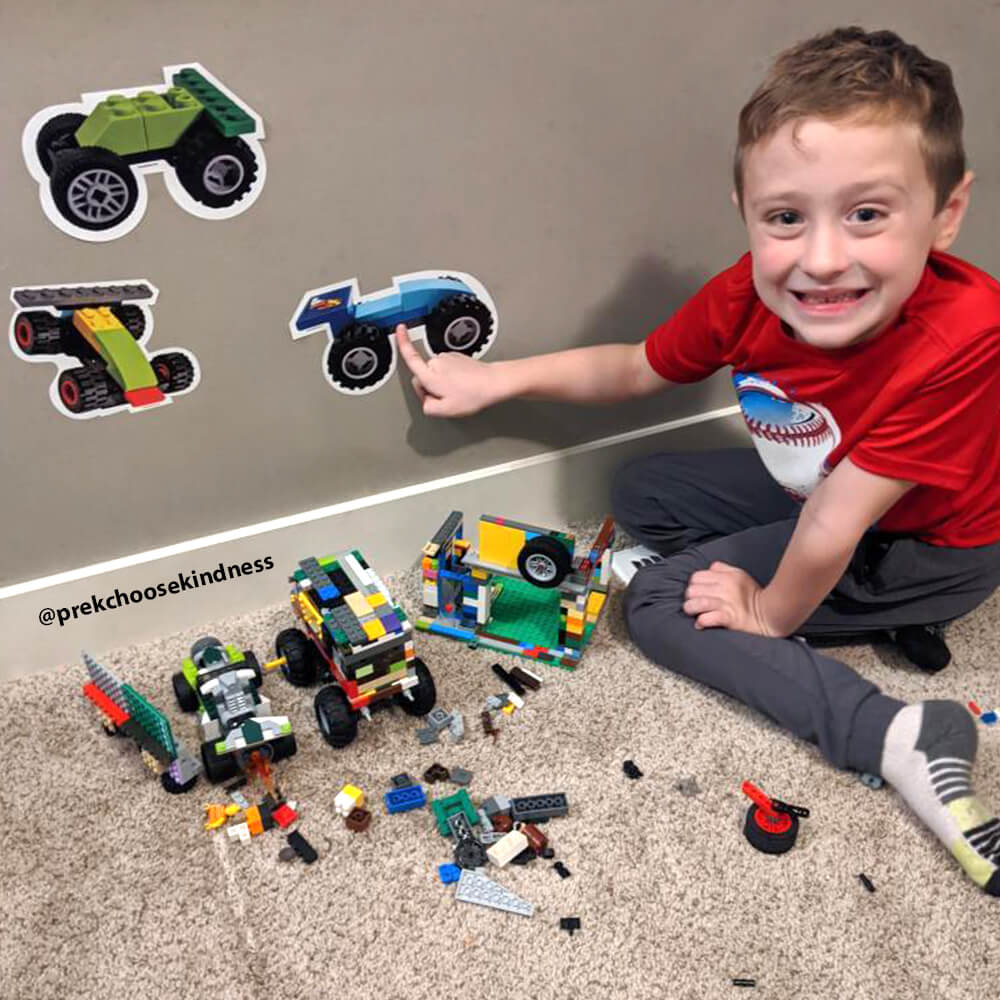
[702, 506]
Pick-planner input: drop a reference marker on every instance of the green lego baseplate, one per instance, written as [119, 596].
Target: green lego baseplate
[152, 721]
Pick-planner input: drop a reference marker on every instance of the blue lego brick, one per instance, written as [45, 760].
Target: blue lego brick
[404, 799]
[391, 623]
[328, 593]
[988, 718]
[455, 632]
[449, 873]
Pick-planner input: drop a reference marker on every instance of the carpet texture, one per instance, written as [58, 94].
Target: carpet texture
[111, 888]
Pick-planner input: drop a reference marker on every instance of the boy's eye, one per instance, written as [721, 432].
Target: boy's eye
[871, 214]
[786, 218]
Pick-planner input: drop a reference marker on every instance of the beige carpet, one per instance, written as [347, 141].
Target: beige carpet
[111, 889]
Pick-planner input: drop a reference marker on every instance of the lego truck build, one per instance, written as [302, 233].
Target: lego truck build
[362, 350]
[354, 637]
[223, 686]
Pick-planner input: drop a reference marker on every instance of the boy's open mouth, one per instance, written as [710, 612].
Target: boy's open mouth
[829, 298]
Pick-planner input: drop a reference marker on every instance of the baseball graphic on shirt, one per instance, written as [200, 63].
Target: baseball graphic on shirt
[793, 439]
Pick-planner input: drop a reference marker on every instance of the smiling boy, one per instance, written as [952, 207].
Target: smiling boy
[866, 360]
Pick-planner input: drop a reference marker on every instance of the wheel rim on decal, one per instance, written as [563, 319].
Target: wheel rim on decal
[223, 174]
[360, 362]
[97, 195]
[461, 333]
[69, 392]
[22, 334]
[541, 567]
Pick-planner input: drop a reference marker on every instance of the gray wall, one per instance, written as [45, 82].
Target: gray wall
[573, 156]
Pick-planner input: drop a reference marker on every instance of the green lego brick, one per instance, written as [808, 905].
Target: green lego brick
[150, 719]
[166, 116]
[527, 614]
[116, 124]
[459, 802]
[190, 672]
[226, 114]
[235, 655]
[126, 360]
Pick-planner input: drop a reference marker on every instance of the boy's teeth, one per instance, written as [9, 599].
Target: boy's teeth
[843, 297]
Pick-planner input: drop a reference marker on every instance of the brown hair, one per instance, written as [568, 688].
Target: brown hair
[868, 77]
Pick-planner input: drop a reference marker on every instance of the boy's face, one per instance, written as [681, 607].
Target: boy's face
[847, 211]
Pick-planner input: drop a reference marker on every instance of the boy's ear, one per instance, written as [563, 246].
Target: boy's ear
[949, 219]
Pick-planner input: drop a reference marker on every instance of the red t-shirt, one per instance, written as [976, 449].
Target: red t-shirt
[918, 402]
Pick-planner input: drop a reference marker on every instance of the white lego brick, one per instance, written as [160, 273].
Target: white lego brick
[507, 847]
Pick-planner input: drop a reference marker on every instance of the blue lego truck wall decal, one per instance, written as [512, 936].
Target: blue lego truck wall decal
[454, 310]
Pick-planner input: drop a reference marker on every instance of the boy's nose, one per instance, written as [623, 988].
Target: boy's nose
[825, 254]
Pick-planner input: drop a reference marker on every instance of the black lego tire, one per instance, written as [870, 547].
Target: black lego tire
[424, 692]
[283, 747]
[174, 371]
[175, 788]
[361, 357]
[214, 170]
[131, 317]
[250, 660]
[299, 654]
[770, 843]
[473, 334]
[546, 552]
[218, 769]
[187, 697]
[38, 332]
[84, 389]
[336, 721]
[69, 187]
[57, 135]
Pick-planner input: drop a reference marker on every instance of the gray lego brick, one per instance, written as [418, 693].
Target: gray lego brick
[447, 529]
[460, 776]
[317, 575]
[81, 295]
[459, 825]
[345, 619]
[438, 718]
[474, 887]
[539, 806]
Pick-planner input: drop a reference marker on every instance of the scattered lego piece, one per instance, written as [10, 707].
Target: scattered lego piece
[287, 853]
[989, 718]
[524, 858]
[513, 701]
[562, 870]
[526, 678]
[873, 781]
[488, 728]
[438, 718]
[302, 847]
[569, 924]
[485, 823]
[539, 806]
[470, 853]
[449, 873]
[348, 798]
[447, 806]
[688, 787]
[631, 771]
[536, 838]
[510, 681]
[460, 776]
[239, 799]
[358, 820]
[254, 823]
[974, 708]
[404, 799]
[456, 729]
[508, 709]
[744, 982]
[496, 701]
[496, 804]
[436, 772]
[502, 822]
[866, 882]
[284, 815]
[507, 848]
[474, 887]
[771, 825]
[402, 781]
[215, 816]
[489, 837]
[240, 831]
[427, 736]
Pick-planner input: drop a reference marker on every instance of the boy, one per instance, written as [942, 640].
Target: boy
[867, 365]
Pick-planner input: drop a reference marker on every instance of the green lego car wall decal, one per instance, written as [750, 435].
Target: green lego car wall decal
[97, 336]
[91, 158]
[452, 309]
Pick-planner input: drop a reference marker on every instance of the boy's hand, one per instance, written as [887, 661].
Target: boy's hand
[725, 596]
[448, 385]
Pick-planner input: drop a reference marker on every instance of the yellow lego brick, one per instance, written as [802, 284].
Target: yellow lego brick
[499, 544]
[309, 614]
[508, 709]
[355, 793]
[374, 629]
[377, 599]
[358, 605]
[480, 574]
[99, 320]
[594, 603]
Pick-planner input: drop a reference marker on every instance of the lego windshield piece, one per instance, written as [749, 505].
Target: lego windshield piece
[524, 591]
[91, 158]
[97, 336]
[451, 310]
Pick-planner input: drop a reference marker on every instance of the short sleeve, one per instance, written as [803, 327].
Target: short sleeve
[691, 345]
[936, 435]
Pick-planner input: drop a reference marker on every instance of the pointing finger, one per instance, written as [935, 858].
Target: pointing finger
[410, 355]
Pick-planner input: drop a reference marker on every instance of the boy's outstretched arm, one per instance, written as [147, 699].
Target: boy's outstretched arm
[453, 385]
[830, 525]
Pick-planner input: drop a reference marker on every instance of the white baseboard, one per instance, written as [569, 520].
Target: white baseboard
[551, 489]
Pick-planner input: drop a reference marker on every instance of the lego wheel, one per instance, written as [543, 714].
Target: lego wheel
[93, 188]
[37, 332]
[214, 170]
[84, 389]
[460, 323]
[282, 747]
[766, 841]
[424, 692]
[176, 787]
[130, 317]
[299, 655]
[544, 562]
[186, 695]
[55, 136]
[217, 768]
[337, 722]
[250, 660]
[174, 371]
[361, 357]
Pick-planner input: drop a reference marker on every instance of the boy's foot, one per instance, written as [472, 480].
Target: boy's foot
[923, 646]
[927, 757]
[626, 562]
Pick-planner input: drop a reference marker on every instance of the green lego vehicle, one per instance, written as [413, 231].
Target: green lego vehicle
[191, 127]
